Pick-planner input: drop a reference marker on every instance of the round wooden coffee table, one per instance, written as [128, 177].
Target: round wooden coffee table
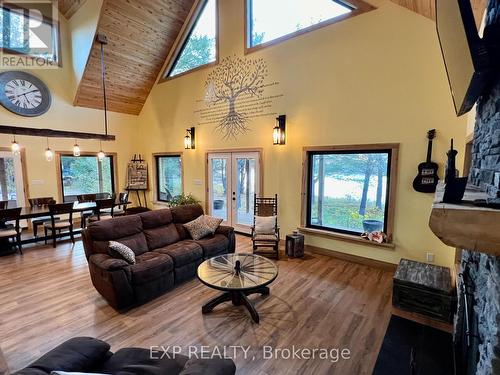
[237, 275]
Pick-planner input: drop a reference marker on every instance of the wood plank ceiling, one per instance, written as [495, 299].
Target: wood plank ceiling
[69, 7]
[427, 8]
[140, 35]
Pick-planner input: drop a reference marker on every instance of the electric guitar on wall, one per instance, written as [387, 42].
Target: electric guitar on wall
[427, 177]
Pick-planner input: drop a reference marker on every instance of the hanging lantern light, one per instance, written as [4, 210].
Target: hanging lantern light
[101, 155]
[16, 149]
[49, 155]
[76, 149]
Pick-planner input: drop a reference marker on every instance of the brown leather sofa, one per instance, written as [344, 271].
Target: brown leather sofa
[165, 253]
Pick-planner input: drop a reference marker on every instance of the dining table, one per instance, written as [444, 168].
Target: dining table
[42, 211]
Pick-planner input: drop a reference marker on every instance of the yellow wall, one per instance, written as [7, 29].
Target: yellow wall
[375, 78]
[42, 176]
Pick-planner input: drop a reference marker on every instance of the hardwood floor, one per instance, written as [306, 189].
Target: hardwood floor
[317, 302]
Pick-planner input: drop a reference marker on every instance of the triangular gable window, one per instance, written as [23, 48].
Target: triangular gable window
[200, 44]
[296, 16]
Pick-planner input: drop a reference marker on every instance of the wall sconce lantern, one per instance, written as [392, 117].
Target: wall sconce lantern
[189, 139]
[279, 132]
[76, 149]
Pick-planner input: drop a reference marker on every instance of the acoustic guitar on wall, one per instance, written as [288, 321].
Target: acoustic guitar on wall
[427, 177]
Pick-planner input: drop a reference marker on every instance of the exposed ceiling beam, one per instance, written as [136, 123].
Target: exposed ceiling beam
[37, 132]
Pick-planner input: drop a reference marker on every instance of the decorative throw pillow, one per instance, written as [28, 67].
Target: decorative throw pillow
[212, 222]
[265, 224]
[120, 251]
[198, 228]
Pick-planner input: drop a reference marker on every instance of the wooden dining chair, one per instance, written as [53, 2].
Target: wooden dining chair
[121, 209]
[4, 205]
[104, 210]
[38, 221]
[11, 232]
[57, 226]
[84, 215]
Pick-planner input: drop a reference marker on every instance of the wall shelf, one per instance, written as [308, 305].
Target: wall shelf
[464, 225]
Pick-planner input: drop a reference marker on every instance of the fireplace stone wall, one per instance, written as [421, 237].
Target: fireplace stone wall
[484, 270]
[484, 276]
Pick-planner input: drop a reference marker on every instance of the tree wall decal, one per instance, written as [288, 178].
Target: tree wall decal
[233, 78]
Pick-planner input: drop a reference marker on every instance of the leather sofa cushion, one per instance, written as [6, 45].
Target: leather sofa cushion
[213, 245]
[161, 236]
[156, 218]
[138, 361]
[184, 214]
[150, 266]
[77, 354]
[119, 227]
[137, 242]
[183, 252]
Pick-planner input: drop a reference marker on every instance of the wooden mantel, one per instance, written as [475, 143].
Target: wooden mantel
[464, 225]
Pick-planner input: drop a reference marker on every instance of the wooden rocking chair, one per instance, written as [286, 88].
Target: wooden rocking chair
[266, 207]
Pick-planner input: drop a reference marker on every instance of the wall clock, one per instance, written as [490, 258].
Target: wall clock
[24, 94]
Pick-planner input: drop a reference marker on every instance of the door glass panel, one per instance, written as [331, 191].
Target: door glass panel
[8, 188]
[245, 190]
[219, 188]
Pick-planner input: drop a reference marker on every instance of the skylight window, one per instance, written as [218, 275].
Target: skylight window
[272, 20]
[200, 44]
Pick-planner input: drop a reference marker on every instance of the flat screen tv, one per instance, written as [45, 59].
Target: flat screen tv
[464, 52]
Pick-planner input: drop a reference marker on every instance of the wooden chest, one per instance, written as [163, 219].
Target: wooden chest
[294, 246]
[424, 288]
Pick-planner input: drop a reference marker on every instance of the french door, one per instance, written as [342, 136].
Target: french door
[233, 179]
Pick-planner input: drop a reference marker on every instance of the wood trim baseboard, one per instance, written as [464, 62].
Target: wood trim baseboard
[352, 258]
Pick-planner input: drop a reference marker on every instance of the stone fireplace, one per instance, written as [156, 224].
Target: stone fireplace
[477, 322]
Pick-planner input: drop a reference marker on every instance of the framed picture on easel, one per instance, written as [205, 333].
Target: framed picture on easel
[137, 174]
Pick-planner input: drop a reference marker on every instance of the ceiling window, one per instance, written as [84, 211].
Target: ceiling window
[271, 21]
[29, 32]
[199, 44]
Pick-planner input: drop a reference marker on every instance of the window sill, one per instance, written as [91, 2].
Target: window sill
[161, 203]
[346, 237]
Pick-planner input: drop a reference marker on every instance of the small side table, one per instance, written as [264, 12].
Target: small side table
[294, 245]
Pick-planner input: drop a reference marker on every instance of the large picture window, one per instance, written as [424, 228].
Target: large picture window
[168, 177]
[349, 191]
[86, 175]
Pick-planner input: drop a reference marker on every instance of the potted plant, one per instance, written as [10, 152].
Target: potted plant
[183, 199]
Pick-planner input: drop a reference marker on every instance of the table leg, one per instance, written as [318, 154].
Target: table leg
[250, 307]
[210, 305]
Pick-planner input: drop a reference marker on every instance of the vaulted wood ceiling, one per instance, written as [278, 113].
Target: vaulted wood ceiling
[69, 7]
[140, 35]
[427, 8]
